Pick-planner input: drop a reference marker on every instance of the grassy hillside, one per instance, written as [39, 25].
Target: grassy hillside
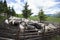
[34, 18]
[53, 19]
[19, 15]
[2, 18]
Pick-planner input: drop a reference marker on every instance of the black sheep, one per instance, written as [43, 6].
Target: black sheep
[36, 25]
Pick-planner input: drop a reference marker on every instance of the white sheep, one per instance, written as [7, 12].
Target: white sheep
[6, 21]
[22, 28]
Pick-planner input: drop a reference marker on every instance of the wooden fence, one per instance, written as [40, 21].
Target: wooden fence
[29, 34]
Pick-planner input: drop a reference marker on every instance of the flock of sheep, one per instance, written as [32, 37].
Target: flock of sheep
[29, 24]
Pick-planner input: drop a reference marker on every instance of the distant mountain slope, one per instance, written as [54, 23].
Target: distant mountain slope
[50, 14]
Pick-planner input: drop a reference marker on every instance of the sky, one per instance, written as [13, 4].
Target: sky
[48, 6]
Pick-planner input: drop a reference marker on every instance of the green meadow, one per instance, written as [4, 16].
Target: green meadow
[2, 18]
[51, 19]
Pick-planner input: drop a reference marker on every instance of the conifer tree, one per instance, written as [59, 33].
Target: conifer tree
[8, 12]
[5, 6]
[1, 6]
[26, 12]
[13, 12]
[42, 16]
[5, 3]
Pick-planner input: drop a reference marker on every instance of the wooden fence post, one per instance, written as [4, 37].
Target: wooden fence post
[17, 34]
[43, 33]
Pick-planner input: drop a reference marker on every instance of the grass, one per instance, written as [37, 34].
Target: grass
[2, 18]
[51, 19]
[34, 18]
[57, 37]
